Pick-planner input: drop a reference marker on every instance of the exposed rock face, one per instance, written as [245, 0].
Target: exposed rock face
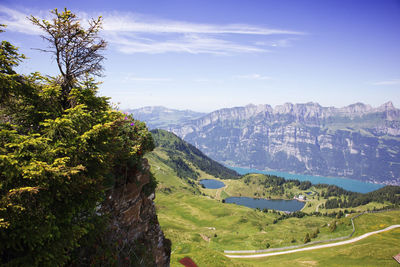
[357, 141]
[134, 225]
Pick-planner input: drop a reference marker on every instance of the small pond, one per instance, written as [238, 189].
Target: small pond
[261, 203]
[212, 184]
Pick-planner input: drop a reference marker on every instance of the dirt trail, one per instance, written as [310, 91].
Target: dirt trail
[219, 191]
[318, 207]
[316, 247]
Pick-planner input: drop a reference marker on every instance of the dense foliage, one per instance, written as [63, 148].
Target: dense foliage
[182, 169]
[171, 143]
[56, 162]
[337, 197]
[275, 184]
[351, 199]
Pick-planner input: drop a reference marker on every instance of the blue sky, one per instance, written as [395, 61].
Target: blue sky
[205, 55]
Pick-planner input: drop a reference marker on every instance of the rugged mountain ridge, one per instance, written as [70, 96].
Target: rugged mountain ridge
[356, 141]
[311, 114]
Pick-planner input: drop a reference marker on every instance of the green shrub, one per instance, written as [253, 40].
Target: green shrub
[56, 161]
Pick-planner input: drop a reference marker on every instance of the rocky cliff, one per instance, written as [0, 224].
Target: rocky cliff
[357, 141]
[133, 226]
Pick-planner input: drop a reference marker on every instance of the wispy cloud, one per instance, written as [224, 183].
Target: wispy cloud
[137, 34]
[17, 21]
[188, 43]
[141, 24]
[254, 76]
[388, 82]
[287, 42]
[134, 33]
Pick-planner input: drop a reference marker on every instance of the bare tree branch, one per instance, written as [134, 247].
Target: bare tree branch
[77, 51]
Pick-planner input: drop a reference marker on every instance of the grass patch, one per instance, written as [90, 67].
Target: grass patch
[202, 227]
[376, 250]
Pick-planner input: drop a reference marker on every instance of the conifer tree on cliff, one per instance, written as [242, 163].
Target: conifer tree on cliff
[76, 50]
[61, 148]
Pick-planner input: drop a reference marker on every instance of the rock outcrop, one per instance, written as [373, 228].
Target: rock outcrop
[133, 225]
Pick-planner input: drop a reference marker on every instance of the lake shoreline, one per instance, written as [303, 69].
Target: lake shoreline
[345, 183]
[285, 205]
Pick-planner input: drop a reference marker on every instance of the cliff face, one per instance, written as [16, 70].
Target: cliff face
[134, 226]
[356, 141]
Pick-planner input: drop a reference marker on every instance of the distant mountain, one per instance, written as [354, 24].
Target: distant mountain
[184, 158]
[357, 141]
[162, 117]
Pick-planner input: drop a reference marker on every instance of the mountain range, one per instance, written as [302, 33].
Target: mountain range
[162, 117]
[357, 141]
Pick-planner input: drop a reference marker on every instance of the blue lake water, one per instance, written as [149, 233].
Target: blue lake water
[261, 203]
[212, 184]
[348, 184]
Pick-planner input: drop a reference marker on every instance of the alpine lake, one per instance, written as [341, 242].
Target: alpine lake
[256, 203]
[288, 205]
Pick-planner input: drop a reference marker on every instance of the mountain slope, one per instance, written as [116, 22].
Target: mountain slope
[180, 153]
[201, 227]
[161, 117]
[356, 141]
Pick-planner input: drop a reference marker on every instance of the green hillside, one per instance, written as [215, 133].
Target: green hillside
[180, 152]
[201, 226]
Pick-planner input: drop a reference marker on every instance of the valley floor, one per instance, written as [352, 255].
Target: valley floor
[376, 250]
[315, 247]
[201, 227]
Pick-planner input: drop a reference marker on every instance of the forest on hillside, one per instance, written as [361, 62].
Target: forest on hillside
[173, 144]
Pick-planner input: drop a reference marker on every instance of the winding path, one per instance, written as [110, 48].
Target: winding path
[318, 207]
[219, 191]
[316, 247]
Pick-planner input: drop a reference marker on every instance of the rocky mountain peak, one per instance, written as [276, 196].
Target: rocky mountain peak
[386, 106]
[284, 109]
[303, 138]
[391, 113]
[255, 109]
[356, 109]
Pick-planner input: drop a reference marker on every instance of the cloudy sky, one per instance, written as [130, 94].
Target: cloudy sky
[208, 54]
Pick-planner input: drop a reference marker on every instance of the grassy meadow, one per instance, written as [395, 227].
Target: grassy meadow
[376, 250]
[201, 226]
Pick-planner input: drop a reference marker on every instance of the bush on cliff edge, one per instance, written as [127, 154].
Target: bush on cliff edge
[59, 151]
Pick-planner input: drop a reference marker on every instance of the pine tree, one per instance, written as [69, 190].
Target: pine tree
[76, 50]
[57, 160]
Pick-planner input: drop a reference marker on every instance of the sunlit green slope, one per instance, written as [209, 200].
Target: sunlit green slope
[202, 227]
